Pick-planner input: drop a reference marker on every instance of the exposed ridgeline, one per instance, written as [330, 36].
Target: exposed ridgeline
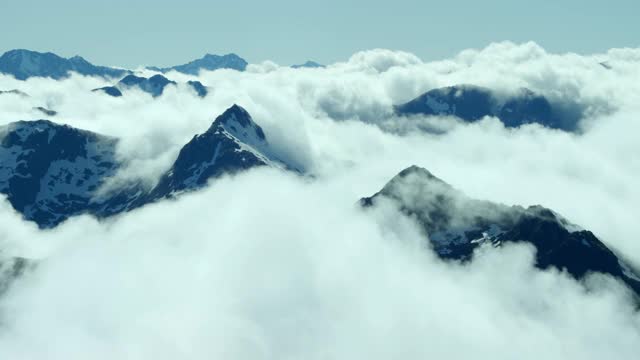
[456, 225]
[309, 64]
[471, 103]
[208, 62]
[154, 86]
[23, 64]
[50, 172]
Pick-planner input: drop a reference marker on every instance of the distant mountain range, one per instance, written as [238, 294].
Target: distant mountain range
[24, 64]
[154, 85]
[208, 62]
[467, 102]
[456, 225]
[51, 172]
[471, 103]
[308, 64]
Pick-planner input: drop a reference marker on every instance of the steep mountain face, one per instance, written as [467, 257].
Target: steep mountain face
[472, 103]
[51, 172]
[23, 64]
[456, 225]
[154, 86]
[208, 62]
[233, 143]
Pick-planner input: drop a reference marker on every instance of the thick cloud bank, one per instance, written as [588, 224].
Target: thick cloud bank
[269, 265]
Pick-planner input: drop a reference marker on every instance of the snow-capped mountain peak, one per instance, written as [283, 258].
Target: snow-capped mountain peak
[50, 172]
[456, 225]
[237, 122]
[233, 142]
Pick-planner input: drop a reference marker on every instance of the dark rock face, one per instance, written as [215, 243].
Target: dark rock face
[154, 85]
[527, 108]
[200, 89]
[48, 171]
[109, 90]
[23, 64]
[468, 103]
[51, 172]
[208, 62]
[456, 225]
[233, 143]
[472, 103]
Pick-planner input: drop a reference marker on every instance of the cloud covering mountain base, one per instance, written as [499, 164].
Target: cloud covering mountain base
[270, 265]
[293, 281]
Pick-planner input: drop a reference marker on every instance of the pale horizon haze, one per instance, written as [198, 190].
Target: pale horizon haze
[133, 33]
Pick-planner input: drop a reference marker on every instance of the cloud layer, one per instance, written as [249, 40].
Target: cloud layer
[270, 265]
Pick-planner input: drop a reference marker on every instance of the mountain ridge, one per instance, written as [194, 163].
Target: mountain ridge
[472, 103]
[154, 85]
[51, 172]
[24, 64]
[456, 225]
[209, 62]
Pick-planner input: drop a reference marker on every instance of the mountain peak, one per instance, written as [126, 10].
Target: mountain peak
[413, 183]
[52, 171]
[417, 178]
[238, 122]
[456, 225]
[214, 56]
[233, 143]
[159, 79]
[417, 171]
[22, 52]
[131, 80]
[79, 60]
[308, 64]
[208, 62]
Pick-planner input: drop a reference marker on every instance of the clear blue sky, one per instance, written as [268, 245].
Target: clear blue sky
[160, 32]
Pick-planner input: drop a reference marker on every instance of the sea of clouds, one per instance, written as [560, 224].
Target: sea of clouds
[271, 265]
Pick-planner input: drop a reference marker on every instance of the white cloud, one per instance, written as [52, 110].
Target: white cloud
[311, 277]
[268, 265]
